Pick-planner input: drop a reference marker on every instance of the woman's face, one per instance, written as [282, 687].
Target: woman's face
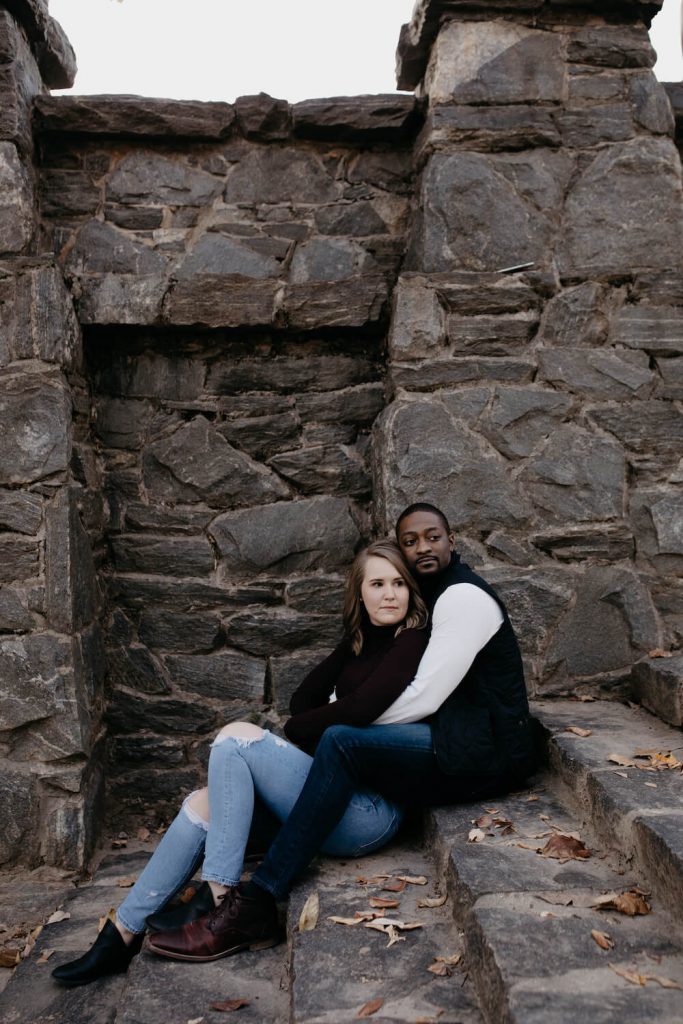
[384, 592]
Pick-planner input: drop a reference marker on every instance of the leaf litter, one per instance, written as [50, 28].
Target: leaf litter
[369, 1008]
[632, 902]
[310, 913]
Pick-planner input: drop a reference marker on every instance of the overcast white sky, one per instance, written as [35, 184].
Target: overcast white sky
[292, 49]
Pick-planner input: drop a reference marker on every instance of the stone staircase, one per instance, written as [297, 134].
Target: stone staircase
[526, 924]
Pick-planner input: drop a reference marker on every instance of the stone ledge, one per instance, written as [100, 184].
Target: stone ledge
[387, 117]
[674, 91]
[53, 51]
[658, 685]
[416, 38]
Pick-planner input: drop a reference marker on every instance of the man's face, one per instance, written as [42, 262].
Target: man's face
[426, 546]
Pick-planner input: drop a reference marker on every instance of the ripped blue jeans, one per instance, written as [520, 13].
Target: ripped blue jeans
[239, 770]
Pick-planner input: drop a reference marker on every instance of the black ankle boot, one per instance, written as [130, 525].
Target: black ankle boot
[201, 903]
[109, 954]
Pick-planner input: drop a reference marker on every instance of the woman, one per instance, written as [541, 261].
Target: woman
[384, 640]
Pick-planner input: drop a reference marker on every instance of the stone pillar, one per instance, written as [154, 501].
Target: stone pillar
[50, 663]
[538, 407]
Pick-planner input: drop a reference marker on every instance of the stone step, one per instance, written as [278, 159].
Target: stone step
[658, 685]
[636, 812]
[338, 969]
[527, 920]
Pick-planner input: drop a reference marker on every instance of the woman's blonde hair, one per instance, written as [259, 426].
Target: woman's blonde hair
[416, 616]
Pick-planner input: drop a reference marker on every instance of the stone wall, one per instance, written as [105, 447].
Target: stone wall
[295, 319]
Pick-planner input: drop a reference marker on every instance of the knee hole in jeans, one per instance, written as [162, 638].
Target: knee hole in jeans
[192, 812]
[243, 733]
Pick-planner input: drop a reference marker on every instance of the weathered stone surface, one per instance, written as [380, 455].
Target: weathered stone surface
[490, 335]
[487, 212]
[143, 751]
[260, 436]
[134, 115]
[272, 632]
[377, 118]
[600, 374]
[288, 671]
[212, 300]
[651, 106]
[160, 518]
[648, 426]
[357, 405]
[31, 678]
[122, 422]
[316, 594]
[671, 385]
[658, 288]
[327, 259]
[288, 536]
[519, 418]
[35, 421]
[18, 812]
[658, 685]
[422, 453]
[535, 600]
[657, 330]
[657, 517]
[445, 373]
[168, 556]
[577, 475]
[133, 666]
[100, 248]
[608, 207]
[20, 512]
[611, 46]
[172, 631]
[283, 175]
[138, 592]
[576, 317]
[356, 220]
[135, 218]
[583, 127]
[576, 543]
[65, 193]
[324, 469]
[197, 464]
[227, 675]
[418, 320]
[19, 559]
[14, 615]
[613, 617]
[130, 713]
[45, 325]
[287, 371]
[20, 80]
[352, 302]
[472, 293]
[148, 374]
[489, 129]
[16, 201]
[216, 254]
[495, 62]
[144, 177]
[72, 593]
[262, 117]
[121, 298]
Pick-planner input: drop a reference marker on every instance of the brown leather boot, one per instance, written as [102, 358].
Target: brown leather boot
[240, 921]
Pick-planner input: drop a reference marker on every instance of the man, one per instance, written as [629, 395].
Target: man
[476, 743]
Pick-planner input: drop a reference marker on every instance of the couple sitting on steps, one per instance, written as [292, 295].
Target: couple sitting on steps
[422, 703]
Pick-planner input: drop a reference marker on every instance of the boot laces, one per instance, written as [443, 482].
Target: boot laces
[227, 907]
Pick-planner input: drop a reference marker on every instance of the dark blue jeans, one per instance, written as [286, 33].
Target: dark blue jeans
[397, 761]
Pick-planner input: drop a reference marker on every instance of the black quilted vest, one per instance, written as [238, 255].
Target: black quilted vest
[484, 726]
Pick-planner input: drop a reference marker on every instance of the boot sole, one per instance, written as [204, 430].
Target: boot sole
[251, 946]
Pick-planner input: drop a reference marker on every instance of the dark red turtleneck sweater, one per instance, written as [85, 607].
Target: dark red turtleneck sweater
[365, 684]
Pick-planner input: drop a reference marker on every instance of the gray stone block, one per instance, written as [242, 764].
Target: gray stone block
[518, 419]
[490, 335]
[271, 632]
[19, 805]
[290, 370]
[261, 436]
[356, 220]
[316, 594]
[167, 556]
[352, 302]
[19, 559]
[122, 422]
[489, 129]
[658, 685]
[35, 422]
[72, 590]
[658, 330]
[280, 175]
[216, 254]
[327, 259]
[536, 600]
[137, 592]
[33, 678]
[141, 751]
[144, 176]
[611, 46]
[582, 127]
[377, 118]
[149, 374]
[651, 106]
[20, 512]
[134, 115]
[131, 713]
[122, 298]
[14, 614]
[418, 321]
[100, 248]
[68, 194]
[212, 300]
[324, 469]
[576, 317]
[132, 665]
[599, 374]
[16, 201]
[262, 117]
[651, 427]
[609, 543]
[658, 524]
[358, 405]
[225, 675]
[45, 324]
[315, 533]
[428, 376]
[173, 631]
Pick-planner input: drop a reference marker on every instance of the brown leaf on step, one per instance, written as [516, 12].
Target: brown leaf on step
[109, 916]
[432, 901]
[632, 976]
[143, 834]
[59, 915]
[547, 913]
[578, 731]
[310, 912]
[380, 923]
[367, 915]
[350, 921]
[228, 1005]
[383, 903]
[603, 940]
[45, 956]
[394, 885]
[413, 879]
[659, 653]
[394, 937]
[374, 880]
[622, 775]
[524, 846]
[585, 698]
[368, 1009]
[530, 799]
[564, 847]
[483, 821]
[629, 902]
[119, 844]
[475, 835]
[126, 882]
[9, 957]
[621, 759]
[664, 982]
[440, 969]
[650, 785]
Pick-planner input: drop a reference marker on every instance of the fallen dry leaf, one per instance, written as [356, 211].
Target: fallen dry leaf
[585, 698]
[374, 880]
[394, 885]
[483, 821]
[143, 834]
[623, 775]
[659, 653]
[349, 921]
[9, 957]
[380, 923]
[621, 759]
[530, 799]
[440, 969]
[126, 882]
[45, 956]
[432, 901]
[228, 1005]
[367, 915]
[59, 915]
[475, 835]
[119, 844]
[368, 1009]
[578, 731]
[308, 918]
[632, 976]
[603, 940]
[383, 903]
[631, 902]
[664, 982]
[196, 1020]
[650, 785]
[109, 916]
[394, 937]
[413, 879]
[564, 847]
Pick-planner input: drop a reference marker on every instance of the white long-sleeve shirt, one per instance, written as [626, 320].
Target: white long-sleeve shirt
[463, 621]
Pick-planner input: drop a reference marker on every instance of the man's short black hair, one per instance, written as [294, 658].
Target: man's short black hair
[422, 506]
